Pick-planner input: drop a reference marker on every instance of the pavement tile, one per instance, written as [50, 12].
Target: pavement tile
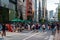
[57, 36]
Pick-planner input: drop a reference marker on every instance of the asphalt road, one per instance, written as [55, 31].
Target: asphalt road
[28, 35]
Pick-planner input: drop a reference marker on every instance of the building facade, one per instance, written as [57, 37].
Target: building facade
[36, 14]
[4, 16]
[44, 9]
[12, 9]
[33, 8]
[51, 15]
[40, 10]
[56, 14]
[24, 9]
[59, 11]
[5, 7]
[21, 7]
[29, 9]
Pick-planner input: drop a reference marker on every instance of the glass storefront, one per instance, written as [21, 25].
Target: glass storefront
[4, 16]
[7, 10]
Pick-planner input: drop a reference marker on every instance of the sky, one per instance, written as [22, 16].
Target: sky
[51, 4]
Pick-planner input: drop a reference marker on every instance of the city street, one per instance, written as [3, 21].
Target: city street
[29, 35]
[30, 19]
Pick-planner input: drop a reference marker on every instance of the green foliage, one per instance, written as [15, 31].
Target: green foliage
[12, 14]
[42, 20]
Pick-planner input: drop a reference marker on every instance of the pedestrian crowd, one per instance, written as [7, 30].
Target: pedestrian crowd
[35, 27]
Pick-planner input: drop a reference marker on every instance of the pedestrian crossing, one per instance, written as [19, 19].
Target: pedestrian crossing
[40, 36]
[30, 36]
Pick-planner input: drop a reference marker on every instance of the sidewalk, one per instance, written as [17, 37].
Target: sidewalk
[10, 34]
[15, 33]
[57, 36]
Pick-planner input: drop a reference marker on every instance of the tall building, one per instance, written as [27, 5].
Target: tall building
[24, 9]
[40, 11]
[51, 14]
[29, 9]
[36, 14]
[33, 8]
[59, 11]
[7, 8]
[21, 7]
[4, 13]
[12, 9]
[56, 14]
[44, 9]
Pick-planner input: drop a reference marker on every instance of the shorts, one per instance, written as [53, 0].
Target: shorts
[33, 28]
[43, 28]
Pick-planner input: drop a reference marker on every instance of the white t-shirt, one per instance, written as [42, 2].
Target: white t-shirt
[43, 26]
[33, 26]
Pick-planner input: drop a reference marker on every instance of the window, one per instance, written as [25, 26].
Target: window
[12, 6]
[5, 2]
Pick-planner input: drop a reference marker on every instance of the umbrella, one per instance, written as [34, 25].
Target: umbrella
[17, 20]
[27, 21]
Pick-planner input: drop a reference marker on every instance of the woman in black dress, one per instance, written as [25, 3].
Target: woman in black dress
[58, 27]
[3, 30]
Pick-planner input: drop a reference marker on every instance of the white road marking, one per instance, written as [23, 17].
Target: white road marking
[30, 36]
[46, 37]
[31, 32]
[35, 34]
[51, 37]
[45, 32]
